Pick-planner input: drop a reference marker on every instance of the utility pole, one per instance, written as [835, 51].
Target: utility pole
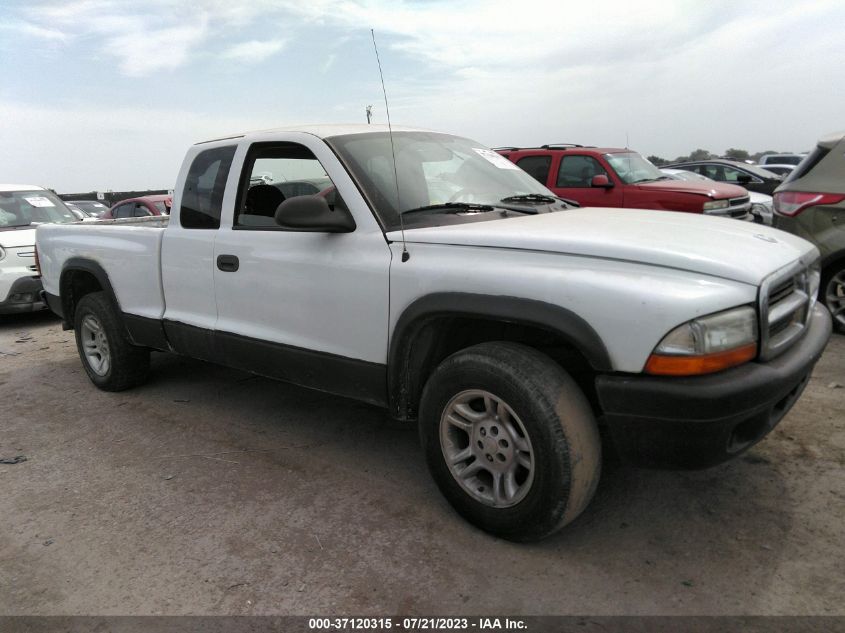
[369, 114]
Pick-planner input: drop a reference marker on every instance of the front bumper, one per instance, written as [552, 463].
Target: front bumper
[701, 421]
[24, 296]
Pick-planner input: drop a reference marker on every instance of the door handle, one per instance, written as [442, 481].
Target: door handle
[228, 263]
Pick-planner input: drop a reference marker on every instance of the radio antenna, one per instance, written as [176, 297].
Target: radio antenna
[405, 254]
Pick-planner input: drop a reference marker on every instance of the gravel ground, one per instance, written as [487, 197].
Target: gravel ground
[210, 491]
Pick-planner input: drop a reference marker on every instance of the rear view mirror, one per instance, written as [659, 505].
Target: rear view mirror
[312, 214]
[601, 180]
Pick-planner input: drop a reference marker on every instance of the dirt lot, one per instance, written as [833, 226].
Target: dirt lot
[209, 491]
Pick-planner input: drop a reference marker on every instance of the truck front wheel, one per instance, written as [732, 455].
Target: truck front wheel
[510, 440]
[110, 360]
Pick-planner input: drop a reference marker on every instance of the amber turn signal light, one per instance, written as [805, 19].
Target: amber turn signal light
[664, 365]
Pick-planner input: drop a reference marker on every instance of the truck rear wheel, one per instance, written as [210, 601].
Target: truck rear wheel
[510, 440]
[110, 360]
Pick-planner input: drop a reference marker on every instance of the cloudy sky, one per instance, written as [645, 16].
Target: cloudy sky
[107, 94]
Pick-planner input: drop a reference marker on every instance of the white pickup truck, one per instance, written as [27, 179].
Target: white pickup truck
[424, 273]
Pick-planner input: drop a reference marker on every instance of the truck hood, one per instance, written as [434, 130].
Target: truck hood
[721, 247]
[717, 190]
[14, 238]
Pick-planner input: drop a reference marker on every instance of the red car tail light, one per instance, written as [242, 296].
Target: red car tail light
[791, 203]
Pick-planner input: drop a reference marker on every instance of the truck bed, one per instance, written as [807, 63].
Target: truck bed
[130, 250]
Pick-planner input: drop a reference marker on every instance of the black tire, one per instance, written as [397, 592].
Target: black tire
[832, 293]
[128, 365]
[556, 418]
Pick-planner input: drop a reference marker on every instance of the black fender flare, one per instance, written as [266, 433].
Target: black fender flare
[80, 264]
[404, 382]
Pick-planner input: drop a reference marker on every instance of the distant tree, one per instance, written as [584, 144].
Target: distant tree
[737, 154]
[757, 155]
[656, 160]
[700, 154]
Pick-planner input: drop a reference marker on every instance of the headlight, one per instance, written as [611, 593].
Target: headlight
[707, 344]
[716, 204]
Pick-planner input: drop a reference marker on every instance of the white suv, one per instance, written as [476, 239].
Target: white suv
[780, 159]
[22, 208]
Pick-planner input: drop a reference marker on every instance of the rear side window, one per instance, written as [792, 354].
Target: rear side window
[808, 164]
[537, 167]
[202, 198]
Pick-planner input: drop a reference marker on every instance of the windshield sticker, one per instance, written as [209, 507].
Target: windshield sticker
[39, 201]
[496, 159]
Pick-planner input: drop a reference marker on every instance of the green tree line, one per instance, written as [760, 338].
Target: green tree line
[702, 154]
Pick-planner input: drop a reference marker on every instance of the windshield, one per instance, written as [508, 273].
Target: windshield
[631, 167]
[680, 174]
[91, 207]
[431, 169]
[24, 208]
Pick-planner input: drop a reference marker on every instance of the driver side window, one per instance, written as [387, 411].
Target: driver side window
[578, 171]
[275, 173]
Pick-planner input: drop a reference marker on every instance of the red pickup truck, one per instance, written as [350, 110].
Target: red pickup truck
[613, 177]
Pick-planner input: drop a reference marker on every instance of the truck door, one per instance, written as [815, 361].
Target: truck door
[187, 250]
[307, 307]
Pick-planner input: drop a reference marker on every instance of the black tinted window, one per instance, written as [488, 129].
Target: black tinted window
[537, 167]
[202, 198]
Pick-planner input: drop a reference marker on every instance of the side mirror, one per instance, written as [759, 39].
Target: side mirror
[602, 181]
[743, 178]
[312, 214]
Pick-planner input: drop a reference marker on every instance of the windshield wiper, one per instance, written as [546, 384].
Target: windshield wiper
[531, 197]
[451, 207]
[652, 179]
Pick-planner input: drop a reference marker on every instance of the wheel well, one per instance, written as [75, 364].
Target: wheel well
[439, 337]
[831, 265]
[74, 285]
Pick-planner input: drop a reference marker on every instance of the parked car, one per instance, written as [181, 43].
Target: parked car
[612, 177]
[143, 206]
[811, 203]
[761, 204]
[502, 321]
[780, 170]
[780, 159]
[752, 177]
[79, 213]
[22, 208]
[93, 208]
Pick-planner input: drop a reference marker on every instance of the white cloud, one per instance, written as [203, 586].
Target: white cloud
[27, 29]
[83, 148]
[254, 51]
[328, 63]
[154, 36]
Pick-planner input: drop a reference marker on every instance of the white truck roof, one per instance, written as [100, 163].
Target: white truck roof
[324, 130]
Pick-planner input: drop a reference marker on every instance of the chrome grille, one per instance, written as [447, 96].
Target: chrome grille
[738, 201]
[785, 307]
